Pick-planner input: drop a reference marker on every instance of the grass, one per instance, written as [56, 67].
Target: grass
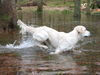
[5, 17]
[60, 4]
[52, 4]
[95, 13]
[21, 2]
[33, 10]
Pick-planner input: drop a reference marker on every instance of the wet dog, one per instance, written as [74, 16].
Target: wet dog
[61, 41]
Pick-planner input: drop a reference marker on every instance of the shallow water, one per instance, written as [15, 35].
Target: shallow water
[24, 58]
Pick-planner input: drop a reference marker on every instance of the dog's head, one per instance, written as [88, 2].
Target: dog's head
[82, 31]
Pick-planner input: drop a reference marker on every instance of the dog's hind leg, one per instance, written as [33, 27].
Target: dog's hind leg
[40, 37]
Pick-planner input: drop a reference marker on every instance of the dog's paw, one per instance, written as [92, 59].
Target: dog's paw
[45, 47]
[42, 46]
[57, 51]
[52, 53]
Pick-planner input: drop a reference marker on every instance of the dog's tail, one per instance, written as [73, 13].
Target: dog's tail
[24, 27]
[21, 24]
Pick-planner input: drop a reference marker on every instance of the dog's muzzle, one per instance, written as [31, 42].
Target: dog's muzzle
[86, 34]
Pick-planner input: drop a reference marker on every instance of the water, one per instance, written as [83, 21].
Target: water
[22, 57]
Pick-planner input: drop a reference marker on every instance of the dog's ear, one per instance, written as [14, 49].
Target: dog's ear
[80, 29]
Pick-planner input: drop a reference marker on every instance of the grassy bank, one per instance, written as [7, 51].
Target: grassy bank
[47, 9]
[55, 5]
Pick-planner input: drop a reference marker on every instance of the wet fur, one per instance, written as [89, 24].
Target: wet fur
[61, 41]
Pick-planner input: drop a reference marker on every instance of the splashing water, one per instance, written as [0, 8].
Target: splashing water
[23, 44]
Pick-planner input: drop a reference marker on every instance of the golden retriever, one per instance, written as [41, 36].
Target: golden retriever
[61, 41]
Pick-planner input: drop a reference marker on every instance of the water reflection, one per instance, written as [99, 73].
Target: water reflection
[77, 20]
[35, 61]
[38, 62]
[40, 18]
[9, 37]
[9, 64]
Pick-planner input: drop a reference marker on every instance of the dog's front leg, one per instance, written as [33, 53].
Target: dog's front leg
[42, 46]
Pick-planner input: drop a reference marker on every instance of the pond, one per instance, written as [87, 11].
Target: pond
[26, 59]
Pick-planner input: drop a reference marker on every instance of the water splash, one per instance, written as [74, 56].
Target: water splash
[23, 44]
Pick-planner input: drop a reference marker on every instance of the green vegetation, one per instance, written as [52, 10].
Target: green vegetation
[21, 2]
[5, 17]
[51, 3]
[67, 11]
[95, 13]
[60, 4]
